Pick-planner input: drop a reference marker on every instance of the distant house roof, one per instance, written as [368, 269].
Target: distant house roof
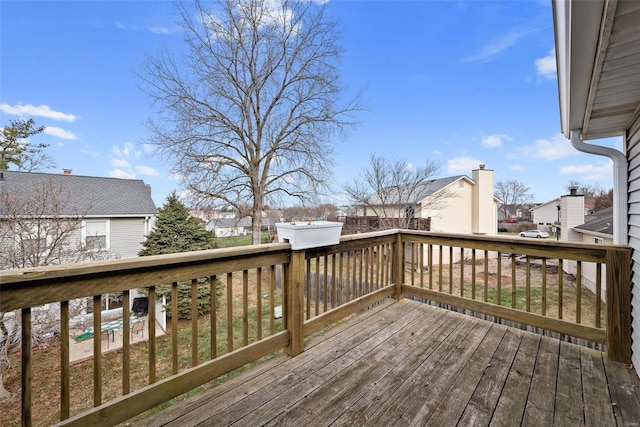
[555, 201]
[600, 222]
[86, 195]
[229, 223]
[421, 192]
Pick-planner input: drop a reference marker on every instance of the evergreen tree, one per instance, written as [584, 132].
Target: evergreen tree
[176, 231]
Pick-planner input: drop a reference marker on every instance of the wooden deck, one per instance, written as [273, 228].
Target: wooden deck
[407, 363]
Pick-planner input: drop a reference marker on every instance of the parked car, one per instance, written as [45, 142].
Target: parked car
[535, 233]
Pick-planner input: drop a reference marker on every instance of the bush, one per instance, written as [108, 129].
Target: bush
[503, 230]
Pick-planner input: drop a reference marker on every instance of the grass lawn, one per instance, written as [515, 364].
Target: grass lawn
[233, 241]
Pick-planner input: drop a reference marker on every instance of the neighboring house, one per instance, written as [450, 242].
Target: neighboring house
[597, 46]
[597, 228]
[117, 213]
[456, 204]
[546, 214]
[594, 228]
[228, 227]
[105, 218]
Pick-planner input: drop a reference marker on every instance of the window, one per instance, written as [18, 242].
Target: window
[409, 211]
[33, 241]
[96, 234]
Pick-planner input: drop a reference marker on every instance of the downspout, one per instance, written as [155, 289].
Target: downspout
[619, 183]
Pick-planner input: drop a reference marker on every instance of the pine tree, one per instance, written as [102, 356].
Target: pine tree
[176, 231]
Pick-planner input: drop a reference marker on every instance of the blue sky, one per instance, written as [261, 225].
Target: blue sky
[457, 82]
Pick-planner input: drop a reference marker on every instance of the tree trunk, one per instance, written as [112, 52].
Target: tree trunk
[256, 221]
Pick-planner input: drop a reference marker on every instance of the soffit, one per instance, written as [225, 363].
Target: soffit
[614, 93]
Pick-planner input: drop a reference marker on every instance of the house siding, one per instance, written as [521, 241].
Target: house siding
[632, 144]
[126, 236]
[547, 214]
[455, 218]
[455, 214]
[485, 214]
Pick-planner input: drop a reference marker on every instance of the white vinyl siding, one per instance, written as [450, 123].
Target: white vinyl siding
[127, 235]
[633, 156]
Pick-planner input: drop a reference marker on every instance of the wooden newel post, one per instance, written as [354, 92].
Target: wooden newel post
[399, 266]
[619, 305]
[295, 303]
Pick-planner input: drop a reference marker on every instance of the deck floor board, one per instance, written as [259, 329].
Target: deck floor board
[407, 363]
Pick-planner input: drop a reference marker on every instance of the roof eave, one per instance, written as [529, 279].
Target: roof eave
[577, 33]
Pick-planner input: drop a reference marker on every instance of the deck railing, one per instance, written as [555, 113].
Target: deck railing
[510, 278]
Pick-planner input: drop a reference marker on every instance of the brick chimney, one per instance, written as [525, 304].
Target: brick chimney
[149, 188]
[66, 171]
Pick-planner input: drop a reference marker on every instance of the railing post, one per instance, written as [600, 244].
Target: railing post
[399, 266]
[618, 305]
[295, 303]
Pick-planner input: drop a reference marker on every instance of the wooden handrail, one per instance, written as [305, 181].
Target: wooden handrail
[350, 276]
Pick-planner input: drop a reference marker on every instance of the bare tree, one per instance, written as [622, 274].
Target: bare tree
[603, 200]
[249, 115]
[301, 213]
[512, 194]
[39, 229]
[391, 190]
[587, 190]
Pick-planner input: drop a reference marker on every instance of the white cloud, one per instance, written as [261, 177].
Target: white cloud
[120, 26]
[90, 153]
[555, 148]
[436, 153]
[126, 150]
[497, 46]
[120, 163]
[146, 170]
[463, 164]
[38, 111]
[158, 29]
[59, 132]
[494, 141]
[589, 172]
[514, 167]
[119, 173]
[546, 66]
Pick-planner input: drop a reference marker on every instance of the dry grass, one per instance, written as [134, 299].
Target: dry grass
[46, 360]
[514, 288]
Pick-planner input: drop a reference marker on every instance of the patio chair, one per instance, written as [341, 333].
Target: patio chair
[105, 336]
[137, 328]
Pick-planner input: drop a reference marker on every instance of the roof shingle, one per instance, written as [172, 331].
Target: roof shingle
[95, 196]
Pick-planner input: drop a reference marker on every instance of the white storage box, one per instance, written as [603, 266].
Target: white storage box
[303, 235]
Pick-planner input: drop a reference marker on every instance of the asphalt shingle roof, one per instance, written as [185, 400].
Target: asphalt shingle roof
[419, 193]
[600, 222]
[89, 195]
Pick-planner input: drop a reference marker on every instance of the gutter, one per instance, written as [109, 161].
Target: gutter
[620, 169]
